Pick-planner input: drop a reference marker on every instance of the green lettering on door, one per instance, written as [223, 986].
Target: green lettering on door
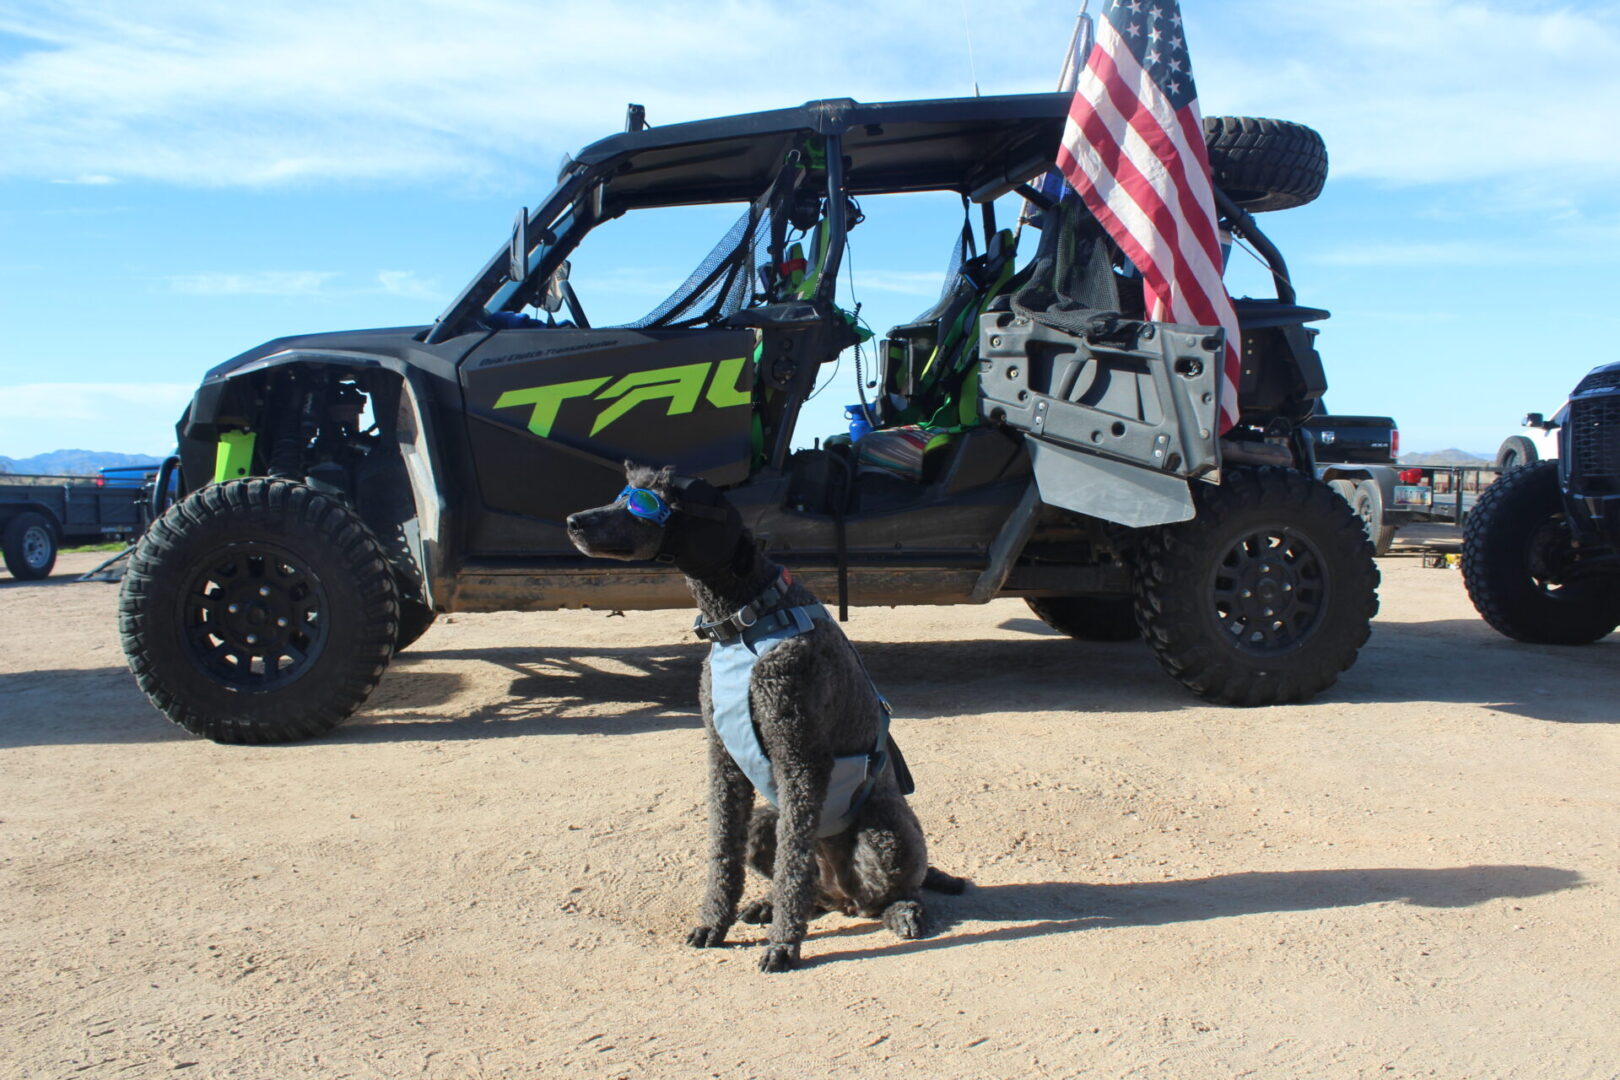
[681, 385]
[547, 400]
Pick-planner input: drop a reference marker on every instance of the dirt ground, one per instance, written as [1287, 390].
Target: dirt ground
[489, 872]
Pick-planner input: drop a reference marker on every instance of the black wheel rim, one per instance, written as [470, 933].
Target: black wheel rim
[1551, 555]
[1269, 591]
[255, 616]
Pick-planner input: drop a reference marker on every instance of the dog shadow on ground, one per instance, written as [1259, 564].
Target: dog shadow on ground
[1040, 909]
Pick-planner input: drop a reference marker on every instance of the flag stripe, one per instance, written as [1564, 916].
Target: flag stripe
[1165, 141]
[1134, 150]
[1155, 221]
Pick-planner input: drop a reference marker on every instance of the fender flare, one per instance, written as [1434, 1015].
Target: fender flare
[416, 427]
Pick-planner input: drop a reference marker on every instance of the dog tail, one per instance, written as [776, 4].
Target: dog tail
[937, 880]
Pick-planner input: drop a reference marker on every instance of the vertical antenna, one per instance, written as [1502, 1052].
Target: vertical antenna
[967, 29]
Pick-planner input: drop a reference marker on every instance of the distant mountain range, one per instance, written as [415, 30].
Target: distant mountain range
[72, 462]
[1446, 457]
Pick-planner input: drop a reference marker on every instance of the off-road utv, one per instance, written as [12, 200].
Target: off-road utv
[1033, 435]
[1541, 548]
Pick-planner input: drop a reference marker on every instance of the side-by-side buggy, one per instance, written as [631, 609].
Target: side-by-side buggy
[1034, 435]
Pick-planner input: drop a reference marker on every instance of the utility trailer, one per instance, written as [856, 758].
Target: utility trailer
[38, 514]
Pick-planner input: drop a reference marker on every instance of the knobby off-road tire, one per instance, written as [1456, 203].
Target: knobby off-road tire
[29, 547]
[1517, 550]
[1265, 596]
[1265, 164]
[1369, 507]
[258, 611]
[1088, 618]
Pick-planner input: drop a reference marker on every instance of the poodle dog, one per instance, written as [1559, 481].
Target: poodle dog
[790, 711]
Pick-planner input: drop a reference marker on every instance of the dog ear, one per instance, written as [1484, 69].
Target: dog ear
[665, 478]
[638, 475]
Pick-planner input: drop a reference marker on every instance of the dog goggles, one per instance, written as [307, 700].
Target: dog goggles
[646, 504]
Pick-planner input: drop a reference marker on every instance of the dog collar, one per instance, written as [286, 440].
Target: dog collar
[763, 606]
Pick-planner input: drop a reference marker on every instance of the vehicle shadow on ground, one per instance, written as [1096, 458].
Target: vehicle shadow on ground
[1055, 907]
[79, 706]
[553, 691]
[616, 691]
[6, 580]
[1465, 661]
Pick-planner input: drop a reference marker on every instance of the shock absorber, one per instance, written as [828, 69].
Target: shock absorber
[288, 415]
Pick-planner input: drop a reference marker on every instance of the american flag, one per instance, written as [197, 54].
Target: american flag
[1134, 150]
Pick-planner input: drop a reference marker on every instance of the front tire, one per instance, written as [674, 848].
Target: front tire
[1265, 596]
[29, 547]
[258, 611]
[1518, 556]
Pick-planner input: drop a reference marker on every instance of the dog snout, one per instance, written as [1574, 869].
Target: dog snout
[574, 523]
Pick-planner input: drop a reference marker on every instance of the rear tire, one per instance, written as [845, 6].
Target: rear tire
[1265, 596]
[1088, 618]
[29, 546]
[1517, 552]
[1369, 507]
[258, 611]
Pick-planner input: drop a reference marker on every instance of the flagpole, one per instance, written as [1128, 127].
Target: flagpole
[1067, 78]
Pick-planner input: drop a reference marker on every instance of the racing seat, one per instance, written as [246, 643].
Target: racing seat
[930, 366]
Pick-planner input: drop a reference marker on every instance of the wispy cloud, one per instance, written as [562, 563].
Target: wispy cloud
[191, 92]
[1461, 253]
[260, 283]
[406, 283]
[907, 282]
[128, 417]
[480, 91]
[1420, 91]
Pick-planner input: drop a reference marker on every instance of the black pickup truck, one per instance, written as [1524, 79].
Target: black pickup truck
[1356, 456]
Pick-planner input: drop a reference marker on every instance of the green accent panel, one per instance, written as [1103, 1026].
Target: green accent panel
[681, 385]
[723, 392]
[547, 400]
[234, 456]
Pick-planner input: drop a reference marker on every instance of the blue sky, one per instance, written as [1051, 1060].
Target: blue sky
[181, 179]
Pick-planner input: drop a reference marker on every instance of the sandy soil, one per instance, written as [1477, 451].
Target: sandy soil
[489, 871]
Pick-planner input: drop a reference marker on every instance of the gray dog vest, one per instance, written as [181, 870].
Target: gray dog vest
[731, 663]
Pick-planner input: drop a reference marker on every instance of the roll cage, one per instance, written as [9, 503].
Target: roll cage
[980, 148]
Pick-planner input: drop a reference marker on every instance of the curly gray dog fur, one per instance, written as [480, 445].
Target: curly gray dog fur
[811, 702]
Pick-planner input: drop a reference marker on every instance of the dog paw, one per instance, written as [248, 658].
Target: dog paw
[706, 937]
[906, 919]
[779, 958]
[756, 914]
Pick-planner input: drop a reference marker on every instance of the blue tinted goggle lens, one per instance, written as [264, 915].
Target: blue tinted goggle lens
[645, 504]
